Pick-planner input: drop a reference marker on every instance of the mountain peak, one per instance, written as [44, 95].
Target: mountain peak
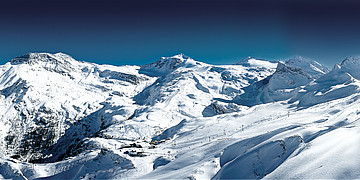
[294, 70]
[59, 62]
[310, 66]
[167, 64]
[251, 61]
[171, 63]
[350, 65]
[64, 56]
[34, 58]
[350, 61]
[244, 61]
[178, 56]
[299, 58]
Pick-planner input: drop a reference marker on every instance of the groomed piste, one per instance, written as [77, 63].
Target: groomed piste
[179, 118]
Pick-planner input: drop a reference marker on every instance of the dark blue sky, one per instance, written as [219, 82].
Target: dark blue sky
[215, 31]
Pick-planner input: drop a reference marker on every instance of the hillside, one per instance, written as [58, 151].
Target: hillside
[178, 118]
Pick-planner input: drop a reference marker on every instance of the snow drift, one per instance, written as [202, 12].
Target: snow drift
[178, 118]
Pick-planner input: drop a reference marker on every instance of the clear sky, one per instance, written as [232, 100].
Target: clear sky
[212, 31]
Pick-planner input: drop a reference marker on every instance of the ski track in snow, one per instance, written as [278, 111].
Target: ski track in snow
[178, 118]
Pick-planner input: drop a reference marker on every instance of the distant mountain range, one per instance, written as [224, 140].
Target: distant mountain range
[178, 118]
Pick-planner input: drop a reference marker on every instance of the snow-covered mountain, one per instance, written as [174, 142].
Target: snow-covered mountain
[341, 81]
[313, 68]
[44, 95]
[178, 118]
[285, 83]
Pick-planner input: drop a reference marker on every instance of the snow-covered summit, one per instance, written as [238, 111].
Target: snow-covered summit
[351, 60]
[350, 65]
[281, 85]
[59, 62]
[285, 68]
[178, 118]
[312, 67]
[251, 61]
[43, 89]
[245, 60]
[33, 58]
[340, 73]
[168, 64]
[340, 82]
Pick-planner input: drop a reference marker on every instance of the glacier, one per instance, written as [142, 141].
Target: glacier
[179, 118]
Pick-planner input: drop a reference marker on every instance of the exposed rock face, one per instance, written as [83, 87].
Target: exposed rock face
[53, 104]
[177, 117]
[285, 83]
[45, 96]
[340, 82]
[60, 63]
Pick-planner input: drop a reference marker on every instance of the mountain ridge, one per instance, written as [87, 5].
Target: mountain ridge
[176, 117]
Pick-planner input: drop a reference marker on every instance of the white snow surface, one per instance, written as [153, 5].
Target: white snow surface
[285, 83]
[178, 118]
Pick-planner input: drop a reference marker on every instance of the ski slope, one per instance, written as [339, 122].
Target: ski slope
[178, 118]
